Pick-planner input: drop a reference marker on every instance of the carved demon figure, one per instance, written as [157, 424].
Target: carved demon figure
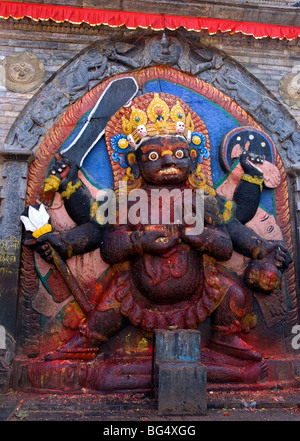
[161, 273]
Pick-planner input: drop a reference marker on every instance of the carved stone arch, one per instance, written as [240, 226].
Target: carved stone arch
[95, 65]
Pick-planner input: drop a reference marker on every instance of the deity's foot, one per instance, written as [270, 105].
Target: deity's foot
[253, 372]
[249, 374]
[234, 346]
[78, 348]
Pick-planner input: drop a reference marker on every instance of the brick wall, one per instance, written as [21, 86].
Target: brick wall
[53, 48]
[56, 44]
[268, 60]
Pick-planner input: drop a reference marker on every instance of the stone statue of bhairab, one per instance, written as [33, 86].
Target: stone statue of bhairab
[165, 234]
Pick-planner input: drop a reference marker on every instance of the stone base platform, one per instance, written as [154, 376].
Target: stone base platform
[127, 373]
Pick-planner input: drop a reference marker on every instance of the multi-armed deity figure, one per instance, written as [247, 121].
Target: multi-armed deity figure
[162, 274]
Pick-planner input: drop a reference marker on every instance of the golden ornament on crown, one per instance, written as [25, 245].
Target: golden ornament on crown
[157, 117]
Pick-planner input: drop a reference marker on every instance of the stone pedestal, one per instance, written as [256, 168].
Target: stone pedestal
[179, 378]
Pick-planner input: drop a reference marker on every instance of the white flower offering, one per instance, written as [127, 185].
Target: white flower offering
[37, 221]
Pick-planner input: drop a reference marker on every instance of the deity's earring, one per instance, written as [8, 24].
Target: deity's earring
[132, 175]
[197, 178]
[133, 171]
[193, 160]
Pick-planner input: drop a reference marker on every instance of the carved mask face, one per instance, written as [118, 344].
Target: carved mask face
[23, 72]
[164, 160]
[165, 50]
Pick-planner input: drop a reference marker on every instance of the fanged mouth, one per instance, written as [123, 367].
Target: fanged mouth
[169, 171]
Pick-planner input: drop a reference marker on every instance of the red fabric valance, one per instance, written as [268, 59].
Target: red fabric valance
[134, 20]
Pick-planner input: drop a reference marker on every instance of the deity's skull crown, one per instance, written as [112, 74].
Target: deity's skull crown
[157, 119]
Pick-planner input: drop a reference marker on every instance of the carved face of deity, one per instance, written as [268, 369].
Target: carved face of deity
[265, 225]
[164, 160]
[165, 50]
[23, 72]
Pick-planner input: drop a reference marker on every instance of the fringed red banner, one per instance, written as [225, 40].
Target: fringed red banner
[134, 20]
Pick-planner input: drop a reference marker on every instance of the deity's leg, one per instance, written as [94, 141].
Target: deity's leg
[96, 329]
[232, 374]
[226, 326]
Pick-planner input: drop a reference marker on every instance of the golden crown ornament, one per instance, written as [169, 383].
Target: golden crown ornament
[158, 119]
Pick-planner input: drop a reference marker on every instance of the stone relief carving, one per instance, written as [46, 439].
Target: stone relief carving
[28, 134]
[180, 54]
[6, 357]
[83, 74]
[49, 108]
[24, 72]
[104, 60]
[289, 87]
[234, 84]
[165, 79]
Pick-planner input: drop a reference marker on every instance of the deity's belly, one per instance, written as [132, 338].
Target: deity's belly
[170, 278]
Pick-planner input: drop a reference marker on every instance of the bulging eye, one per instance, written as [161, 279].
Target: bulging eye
[153, 156]
[179, 154]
